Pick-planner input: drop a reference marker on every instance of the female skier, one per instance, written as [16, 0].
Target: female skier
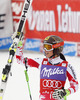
[54, 70]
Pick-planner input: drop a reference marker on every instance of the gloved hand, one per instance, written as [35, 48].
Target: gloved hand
[60, 93]
[20, 44]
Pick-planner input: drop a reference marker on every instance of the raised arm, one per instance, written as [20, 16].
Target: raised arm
[30, 62]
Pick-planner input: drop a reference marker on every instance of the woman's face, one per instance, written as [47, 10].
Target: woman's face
[48, 54]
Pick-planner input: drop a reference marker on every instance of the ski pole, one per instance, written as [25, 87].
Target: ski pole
[27, 79]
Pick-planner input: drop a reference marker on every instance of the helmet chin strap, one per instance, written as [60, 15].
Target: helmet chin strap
[53, 56]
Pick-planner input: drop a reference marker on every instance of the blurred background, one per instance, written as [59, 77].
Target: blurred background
[45, 17]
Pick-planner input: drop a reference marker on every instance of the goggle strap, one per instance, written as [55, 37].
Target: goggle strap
[58, 45]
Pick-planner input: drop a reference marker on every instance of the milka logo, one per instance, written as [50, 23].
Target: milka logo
[49, 72]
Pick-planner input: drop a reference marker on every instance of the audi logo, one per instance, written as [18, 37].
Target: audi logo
[52, 83]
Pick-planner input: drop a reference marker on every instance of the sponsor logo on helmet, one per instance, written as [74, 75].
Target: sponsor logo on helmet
[47, 38]
[58, 45]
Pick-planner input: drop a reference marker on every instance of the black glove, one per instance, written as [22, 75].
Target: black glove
[59, 93]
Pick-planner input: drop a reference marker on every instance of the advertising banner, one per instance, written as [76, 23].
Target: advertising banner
[78, 49]
[6, 23]
[5, 42]
[32, 45]
[50, 17]
[17, 6]
[70, 49]
[54, 17]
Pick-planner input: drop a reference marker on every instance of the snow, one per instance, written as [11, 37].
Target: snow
[17, 88]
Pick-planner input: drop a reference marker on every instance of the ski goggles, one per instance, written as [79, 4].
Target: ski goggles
[49, 47]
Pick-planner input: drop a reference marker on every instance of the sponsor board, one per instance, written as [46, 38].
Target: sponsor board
[6, 22]
[59, 18]
[17, 6]
[32, 45]
[5, 43]
[70, 49]
[41, 46]
[78, 49]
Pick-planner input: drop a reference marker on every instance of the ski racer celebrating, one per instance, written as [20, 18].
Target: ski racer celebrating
[54, 70]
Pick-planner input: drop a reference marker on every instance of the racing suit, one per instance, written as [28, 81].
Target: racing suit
[53, 74]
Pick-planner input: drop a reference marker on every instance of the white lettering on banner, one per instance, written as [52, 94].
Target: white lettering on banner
[49, 72]
[42, 20]
[52, 83]
[68, 49]
[17, 7]
[4, 42]
[69, 21]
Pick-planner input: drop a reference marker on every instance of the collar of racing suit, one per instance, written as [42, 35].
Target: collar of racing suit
[55, 61]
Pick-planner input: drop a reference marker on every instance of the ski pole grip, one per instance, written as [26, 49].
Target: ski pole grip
[26, 63]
